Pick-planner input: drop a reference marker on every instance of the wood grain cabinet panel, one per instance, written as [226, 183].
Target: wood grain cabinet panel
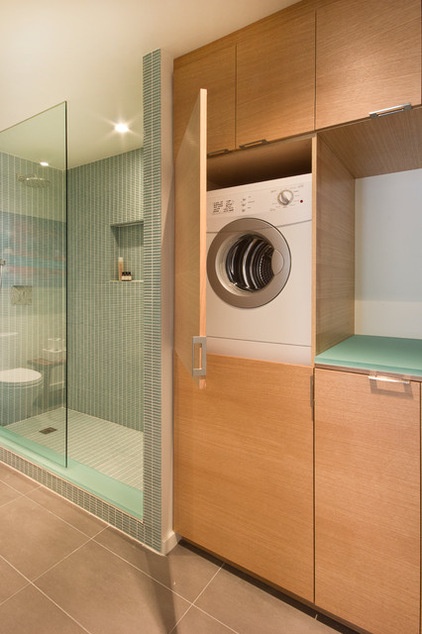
[276, 76]
[243, 472]
[213, 68]
[368, 58]
[367, 501]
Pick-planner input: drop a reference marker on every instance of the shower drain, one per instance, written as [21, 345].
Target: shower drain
[47, 430]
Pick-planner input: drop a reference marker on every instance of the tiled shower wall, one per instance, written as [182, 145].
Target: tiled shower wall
[105, 316]
[156, 528]
[32, 242]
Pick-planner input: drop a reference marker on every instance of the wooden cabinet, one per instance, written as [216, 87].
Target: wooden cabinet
[368, 58]
[260, 81]
[367, 501]
[243, 472]
[276, 76]
[213, 68]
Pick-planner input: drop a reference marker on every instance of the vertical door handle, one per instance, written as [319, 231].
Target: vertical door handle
[199, 356]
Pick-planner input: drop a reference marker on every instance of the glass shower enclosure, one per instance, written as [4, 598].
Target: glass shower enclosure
[71, 336]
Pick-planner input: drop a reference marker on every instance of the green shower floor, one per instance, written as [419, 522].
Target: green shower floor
[105, 459]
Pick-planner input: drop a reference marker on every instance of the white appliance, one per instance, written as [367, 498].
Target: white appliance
[259, 263]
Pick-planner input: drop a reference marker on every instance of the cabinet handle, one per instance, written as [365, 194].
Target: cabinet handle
[388, 379]
[199, 356]
[218, 152]
[392, 110]
[243, 146]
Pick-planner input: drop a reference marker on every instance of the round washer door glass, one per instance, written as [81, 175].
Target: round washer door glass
[248, 263]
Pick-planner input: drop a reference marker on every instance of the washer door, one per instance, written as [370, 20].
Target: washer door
[248, 263]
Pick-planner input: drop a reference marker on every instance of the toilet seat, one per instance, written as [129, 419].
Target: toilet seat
[20, 377]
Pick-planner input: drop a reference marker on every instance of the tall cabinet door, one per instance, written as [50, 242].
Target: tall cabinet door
[190, 237]
[243, 467]
[368, 58]
[367, 501]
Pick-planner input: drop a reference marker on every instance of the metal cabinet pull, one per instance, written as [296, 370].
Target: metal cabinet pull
[392, 110]
[199, 355]
[388, 379]
[243, 146]
[218, 152]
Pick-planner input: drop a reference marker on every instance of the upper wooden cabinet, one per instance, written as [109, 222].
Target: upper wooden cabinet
[213, 68]
[276, 76]
[260, 81]
[368, 58]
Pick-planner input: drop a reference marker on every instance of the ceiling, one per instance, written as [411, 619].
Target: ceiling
[89, 53]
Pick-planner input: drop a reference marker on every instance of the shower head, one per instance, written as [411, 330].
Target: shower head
[32, 180]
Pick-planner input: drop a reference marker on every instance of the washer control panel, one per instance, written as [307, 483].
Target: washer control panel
[280, 201]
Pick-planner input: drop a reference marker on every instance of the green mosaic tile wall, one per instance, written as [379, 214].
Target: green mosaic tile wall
[152, 298]
[105, 316]
[117, 203]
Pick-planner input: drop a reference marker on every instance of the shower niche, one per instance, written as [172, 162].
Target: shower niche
[129, 242]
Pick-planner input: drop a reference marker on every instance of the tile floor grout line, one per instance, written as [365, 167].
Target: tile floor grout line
[207, 584]
[60, 608]
[57, 563]
[150, 576]
[61, 518]
[30, 582]
[146, 574]
[174, 630]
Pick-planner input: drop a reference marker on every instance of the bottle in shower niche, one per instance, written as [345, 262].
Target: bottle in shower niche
[119, 268]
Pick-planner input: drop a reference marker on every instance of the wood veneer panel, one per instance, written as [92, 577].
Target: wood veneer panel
[244, 467]
[276, 76]
[368, 58]
[190, 234]
[367, 501]
[379, 146]
[335, 249]
[215, 70]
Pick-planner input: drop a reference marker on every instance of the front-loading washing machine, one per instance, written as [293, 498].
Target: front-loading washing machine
[259, 270]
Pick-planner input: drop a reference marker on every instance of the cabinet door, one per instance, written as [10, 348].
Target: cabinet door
[367, 501]
[243, 467]
[213, 69]
[276, 76]
[368, 58]
[190, 236]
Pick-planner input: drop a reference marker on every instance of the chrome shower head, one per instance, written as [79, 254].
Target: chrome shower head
[32, 180]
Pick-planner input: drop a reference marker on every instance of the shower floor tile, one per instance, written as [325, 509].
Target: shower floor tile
[109, 448]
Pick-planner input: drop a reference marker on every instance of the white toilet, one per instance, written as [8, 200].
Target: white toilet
[20, 388]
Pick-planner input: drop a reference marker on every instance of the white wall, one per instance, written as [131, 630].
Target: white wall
[389, 255]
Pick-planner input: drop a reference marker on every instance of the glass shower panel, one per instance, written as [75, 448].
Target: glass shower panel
[33, 285]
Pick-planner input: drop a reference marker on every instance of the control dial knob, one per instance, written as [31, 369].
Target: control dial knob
[285, 197]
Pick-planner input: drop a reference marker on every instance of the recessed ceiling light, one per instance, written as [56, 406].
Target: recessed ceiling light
[44, 163]
[121, 127]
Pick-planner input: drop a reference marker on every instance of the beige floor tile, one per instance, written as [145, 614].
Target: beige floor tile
[32, 539]
[183, 570]
[68, 512]
[10, 581]
[17, 480]
[30, 612]
[197, 622]
[109, 596]
[7, 493]
[248, 609]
